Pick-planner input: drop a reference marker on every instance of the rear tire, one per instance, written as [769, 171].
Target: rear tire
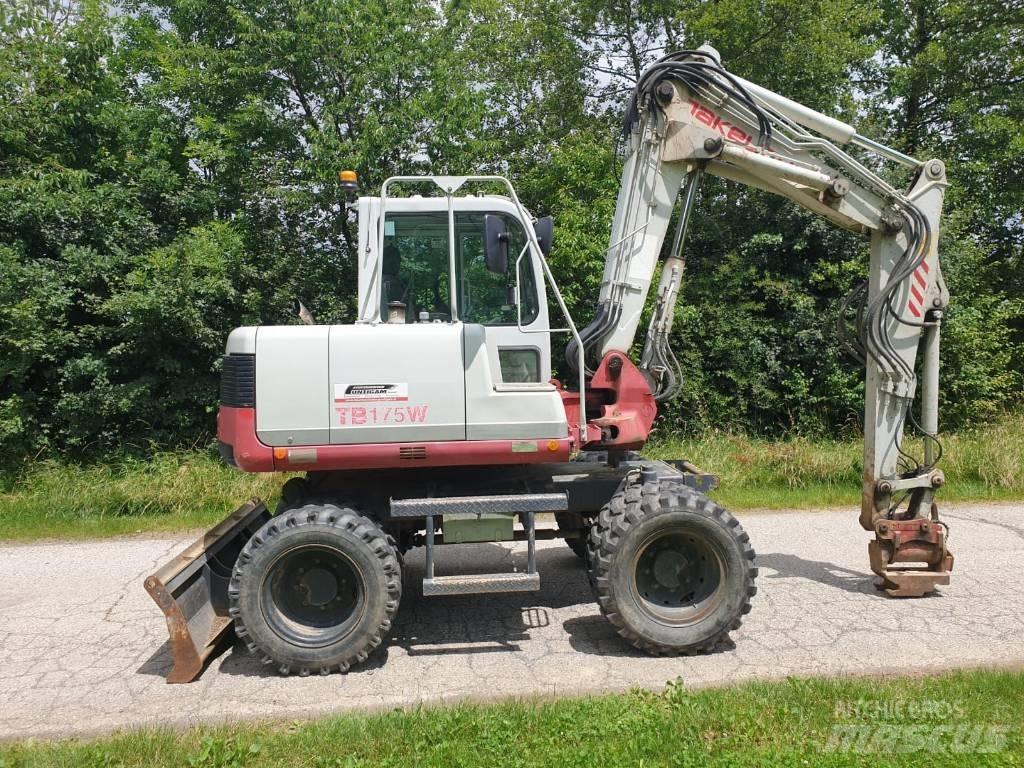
[315, 589]
[671, 570]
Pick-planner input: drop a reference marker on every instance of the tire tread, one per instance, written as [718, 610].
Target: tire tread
[633, 502]
[346, 516]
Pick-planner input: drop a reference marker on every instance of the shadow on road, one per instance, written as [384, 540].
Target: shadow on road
[478, 624]
[239, 661]
[159, 663]
[594, 635]
[455, 625]
[790, 566]
[437, 626]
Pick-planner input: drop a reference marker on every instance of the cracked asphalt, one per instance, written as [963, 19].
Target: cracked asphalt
[83, 648]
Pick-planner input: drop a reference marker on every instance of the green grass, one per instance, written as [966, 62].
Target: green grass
[983, 464]
[175, 491]
[171, 491]
[788, 723]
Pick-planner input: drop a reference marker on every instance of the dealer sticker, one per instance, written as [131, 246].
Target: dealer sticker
[370, 405]
[371, 393]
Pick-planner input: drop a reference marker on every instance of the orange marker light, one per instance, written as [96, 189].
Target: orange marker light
[552, 445]
[349, 183]
[280, 453]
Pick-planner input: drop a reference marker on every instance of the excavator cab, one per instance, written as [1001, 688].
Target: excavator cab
[449, 359]
[494, 309]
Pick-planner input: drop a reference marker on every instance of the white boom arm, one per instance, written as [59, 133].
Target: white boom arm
[689, 116]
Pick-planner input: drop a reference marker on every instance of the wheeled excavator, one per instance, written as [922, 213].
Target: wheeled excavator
[434, 420]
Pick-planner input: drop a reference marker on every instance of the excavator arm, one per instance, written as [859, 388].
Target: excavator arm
[688, 117]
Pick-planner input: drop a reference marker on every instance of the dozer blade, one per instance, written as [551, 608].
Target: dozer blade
[192, 591]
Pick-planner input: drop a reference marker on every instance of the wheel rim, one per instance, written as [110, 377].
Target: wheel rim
[313, 596]
[678, 577]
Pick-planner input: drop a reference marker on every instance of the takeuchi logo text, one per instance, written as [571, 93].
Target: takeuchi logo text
[727, 130]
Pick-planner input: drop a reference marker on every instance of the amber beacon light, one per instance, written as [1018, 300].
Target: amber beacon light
[349, 181]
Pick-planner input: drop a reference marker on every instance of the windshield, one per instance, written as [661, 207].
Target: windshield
[415, 270]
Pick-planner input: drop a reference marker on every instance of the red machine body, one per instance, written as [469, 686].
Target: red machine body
[619, 403]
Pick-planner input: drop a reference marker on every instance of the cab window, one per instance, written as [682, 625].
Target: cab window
[414, 267]
[414, 270]
[486, 297]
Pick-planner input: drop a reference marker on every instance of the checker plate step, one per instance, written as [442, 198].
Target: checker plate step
[481, 584]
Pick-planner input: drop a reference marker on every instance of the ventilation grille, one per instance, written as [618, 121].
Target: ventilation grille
[412, 452]
[238, 381]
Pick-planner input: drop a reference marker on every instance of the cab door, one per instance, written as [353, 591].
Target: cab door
[507, 353]
[403, 380]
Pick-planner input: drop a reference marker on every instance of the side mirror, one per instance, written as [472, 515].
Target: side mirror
[544, 229]
[495, 244]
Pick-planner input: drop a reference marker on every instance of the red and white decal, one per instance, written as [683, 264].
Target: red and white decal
[374, 415]
[918, 287]
[726, 129]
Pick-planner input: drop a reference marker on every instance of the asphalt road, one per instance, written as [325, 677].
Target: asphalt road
[82, 647]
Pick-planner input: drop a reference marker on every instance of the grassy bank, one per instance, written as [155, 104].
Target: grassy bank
[171, 491]
[984, 464]
[174, 491]
[968, 718]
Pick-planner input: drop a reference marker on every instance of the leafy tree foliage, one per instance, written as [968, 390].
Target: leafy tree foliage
[168, 171]
[948, 82]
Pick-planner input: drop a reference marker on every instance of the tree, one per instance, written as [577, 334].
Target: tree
[947, 83]
[168, 172]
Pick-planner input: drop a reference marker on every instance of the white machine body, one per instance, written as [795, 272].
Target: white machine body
[458, 363]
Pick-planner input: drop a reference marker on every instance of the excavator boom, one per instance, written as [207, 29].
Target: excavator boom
[689, 117]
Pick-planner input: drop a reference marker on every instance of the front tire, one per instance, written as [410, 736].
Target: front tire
[315, 589]
[672, 571]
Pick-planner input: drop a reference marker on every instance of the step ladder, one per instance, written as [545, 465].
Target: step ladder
[525, 506]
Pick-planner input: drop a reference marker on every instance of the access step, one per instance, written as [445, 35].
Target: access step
[481, 584]
[516, 503]
[480, 518]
